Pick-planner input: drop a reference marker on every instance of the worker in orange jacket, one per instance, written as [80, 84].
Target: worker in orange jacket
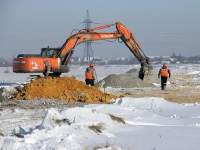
[47, 68]
[90, 75]
[164, 73]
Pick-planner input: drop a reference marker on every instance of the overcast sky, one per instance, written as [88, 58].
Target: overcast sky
[161, 27]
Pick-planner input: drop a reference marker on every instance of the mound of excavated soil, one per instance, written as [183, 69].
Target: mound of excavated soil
[128, 80]
[65, 89]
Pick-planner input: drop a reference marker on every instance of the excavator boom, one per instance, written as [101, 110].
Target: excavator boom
[122, 32]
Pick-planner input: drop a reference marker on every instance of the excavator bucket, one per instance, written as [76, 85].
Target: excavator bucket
[145, 71]
[146, 74]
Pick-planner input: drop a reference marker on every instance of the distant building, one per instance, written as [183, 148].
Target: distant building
[75, 59]
[167, 61]
[175, 58]
[105, 60]
[85, 59]
[153, 57]
[159, 59]
[98, 60]
[121, 58]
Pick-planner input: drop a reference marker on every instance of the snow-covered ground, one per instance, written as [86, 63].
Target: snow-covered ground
[151, 123]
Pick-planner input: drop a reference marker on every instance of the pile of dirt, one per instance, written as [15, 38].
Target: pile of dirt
[65, 89]
[128, 80]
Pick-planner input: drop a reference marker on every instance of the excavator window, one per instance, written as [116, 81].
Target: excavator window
[49, 52]
[43, 52]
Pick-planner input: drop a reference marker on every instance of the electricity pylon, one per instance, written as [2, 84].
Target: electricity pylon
[88, 53]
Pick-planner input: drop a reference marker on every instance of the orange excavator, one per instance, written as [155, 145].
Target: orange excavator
[55, 60]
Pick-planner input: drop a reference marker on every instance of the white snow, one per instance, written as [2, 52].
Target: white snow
[197, 77]
[152, 123]
[193, 73]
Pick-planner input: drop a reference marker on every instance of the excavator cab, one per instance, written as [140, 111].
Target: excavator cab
[49, 52]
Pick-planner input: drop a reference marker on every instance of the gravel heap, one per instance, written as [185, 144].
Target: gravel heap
[128, 80]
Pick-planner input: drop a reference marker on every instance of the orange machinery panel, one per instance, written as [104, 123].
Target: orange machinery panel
[34, 64]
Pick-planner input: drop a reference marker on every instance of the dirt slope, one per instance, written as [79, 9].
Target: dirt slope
[65, 89]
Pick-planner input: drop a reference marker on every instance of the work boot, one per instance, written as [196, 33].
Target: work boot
[162, 86]
[47, 74]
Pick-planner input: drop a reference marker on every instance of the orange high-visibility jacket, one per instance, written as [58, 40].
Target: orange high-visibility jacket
[164, 72]
[89, 73]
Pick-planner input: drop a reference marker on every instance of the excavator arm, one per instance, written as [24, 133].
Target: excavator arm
[122, 32]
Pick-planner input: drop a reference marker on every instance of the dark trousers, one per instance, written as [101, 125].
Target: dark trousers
[89, 81]
[163, 82]
[47, 70]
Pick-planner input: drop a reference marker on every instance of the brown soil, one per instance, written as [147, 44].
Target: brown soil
[65, 89]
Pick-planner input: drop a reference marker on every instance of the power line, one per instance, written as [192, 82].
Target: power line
[171, 33]
[148, 23]
[164, 33]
